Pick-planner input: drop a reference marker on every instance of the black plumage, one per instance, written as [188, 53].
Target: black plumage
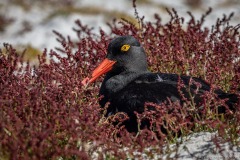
[128, 83]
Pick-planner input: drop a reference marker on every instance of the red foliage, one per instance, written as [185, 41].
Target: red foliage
[46, 113]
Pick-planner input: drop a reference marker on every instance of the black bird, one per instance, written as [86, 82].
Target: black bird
[128, 83]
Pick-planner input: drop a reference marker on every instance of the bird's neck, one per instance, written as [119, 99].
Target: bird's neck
[114, 82]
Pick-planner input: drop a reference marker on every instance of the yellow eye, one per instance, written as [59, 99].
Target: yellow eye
[125, 47]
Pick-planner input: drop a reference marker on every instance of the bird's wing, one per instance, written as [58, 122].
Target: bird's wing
[146, 88]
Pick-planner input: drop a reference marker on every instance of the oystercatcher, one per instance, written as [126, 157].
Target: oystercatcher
[128, 83]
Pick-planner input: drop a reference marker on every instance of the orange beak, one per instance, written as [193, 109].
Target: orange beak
[104, 67]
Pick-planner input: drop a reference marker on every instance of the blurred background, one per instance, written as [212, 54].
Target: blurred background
[29, 23]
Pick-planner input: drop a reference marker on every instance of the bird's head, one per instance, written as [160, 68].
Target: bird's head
[124, 53]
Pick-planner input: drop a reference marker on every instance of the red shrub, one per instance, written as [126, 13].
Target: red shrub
[46, 113]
